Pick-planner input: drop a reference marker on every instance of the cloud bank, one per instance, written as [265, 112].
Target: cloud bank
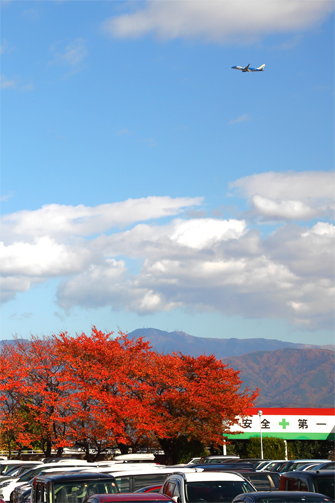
[218, 20]
[185, 262]
[291, 196]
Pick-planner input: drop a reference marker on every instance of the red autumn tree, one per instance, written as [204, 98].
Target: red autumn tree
[104, 392]
[105, 374]
[139, 396]
[30, 374]
[13, 419]
[196, 398]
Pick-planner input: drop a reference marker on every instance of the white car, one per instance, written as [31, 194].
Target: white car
[6, 466]
[205, 487]
[129, 481]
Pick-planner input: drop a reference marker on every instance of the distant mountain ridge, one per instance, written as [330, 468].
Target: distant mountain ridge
[287, 374]
[288, 377]
[168, 342]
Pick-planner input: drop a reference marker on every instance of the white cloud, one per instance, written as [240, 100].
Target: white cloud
[286, 275]
[57, 220]
[72, 55]
[44, 257]
[289, 185]
[241, 118]
[5, 48]
[283, 209]
[6, 83]
[322, 229]
[192, 263]
[204, 232]
[218, 20]
[291, 195]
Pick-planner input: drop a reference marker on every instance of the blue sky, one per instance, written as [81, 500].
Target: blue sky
[144, 183]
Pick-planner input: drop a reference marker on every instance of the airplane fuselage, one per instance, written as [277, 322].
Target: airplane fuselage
[246, 69]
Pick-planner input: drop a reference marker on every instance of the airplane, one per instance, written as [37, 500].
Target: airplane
[247, 69]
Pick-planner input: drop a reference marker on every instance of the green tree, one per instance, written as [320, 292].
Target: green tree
[311, 449]
[273, 448]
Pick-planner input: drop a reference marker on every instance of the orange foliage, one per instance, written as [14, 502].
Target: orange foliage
[106, 392]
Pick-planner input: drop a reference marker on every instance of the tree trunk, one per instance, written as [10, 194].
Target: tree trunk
[123, 448]
[59, 452]
[170, 447]
[48, 448]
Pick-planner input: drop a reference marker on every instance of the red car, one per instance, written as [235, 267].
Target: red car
[147, 489]
[130, 498]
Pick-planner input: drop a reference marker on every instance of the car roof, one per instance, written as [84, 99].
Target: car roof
[16, 462]
[221, 456]
[264, 494]
[210, 476]
[310, 473]
[124, 467]
[224, 466]
[133, 497]
[166, 470]
[67, 477]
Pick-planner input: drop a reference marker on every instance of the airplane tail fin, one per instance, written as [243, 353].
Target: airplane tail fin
[261, 68]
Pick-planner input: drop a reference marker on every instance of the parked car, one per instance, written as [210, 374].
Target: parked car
[129, 498]
[18, 492]
[275, 465]
[6, 466]
[205, 487]
[130, 481]
[281, 497]
[312, 481]
[263, 465]
[17, 471]
[71, 487]
[330, 465]
[193, 461]
[7, 487]
[263, 481]
[296, 463]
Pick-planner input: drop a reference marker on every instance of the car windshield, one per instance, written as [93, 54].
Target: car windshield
[325, 485]
[215, 491]
[7, 468]
[77, 492]
[293, 499]
[12, 471]
[30, 474]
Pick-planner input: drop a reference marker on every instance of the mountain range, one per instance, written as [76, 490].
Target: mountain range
[287, 374]
[167, 342]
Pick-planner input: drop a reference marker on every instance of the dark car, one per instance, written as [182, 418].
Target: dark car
[25, 496]
[263, 481]
[312, 481]
[330, 465]
[281, 497]
[129, 498]
[71, 487]
[297, 463]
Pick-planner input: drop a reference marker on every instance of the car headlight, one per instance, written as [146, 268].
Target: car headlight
[4, 484]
